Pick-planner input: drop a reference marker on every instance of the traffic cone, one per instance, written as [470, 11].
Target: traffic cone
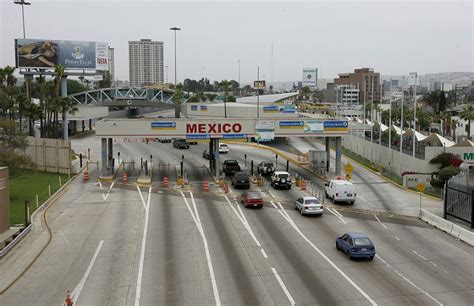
[165, 182]
[303, 185]
[68, 301]
[86, 175]
[226, 189]
[206, 186]
[125, 177]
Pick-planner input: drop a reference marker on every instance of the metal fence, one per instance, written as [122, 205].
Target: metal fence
[459, 198]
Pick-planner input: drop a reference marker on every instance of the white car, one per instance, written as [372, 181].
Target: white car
[281, 179]
[340, 191]
[223, 148]
[309, 206]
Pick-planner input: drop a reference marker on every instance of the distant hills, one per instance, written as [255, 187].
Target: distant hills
[459, 78]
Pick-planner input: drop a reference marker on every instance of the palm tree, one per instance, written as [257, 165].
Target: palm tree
[225, 87]
[177, 97]
[467, 114]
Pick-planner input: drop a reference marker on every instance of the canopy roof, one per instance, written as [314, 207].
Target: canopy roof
[436, 140]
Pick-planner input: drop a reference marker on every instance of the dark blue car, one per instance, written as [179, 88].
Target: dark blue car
[356, 245]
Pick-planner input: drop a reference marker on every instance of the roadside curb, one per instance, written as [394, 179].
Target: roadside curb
[446, 226]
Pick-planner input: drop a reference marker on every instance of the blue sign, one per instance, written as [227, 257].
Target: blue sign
[335, 124]
[291, 124]
[197, 136]
[194, 107]
[157, 125]
[234, 136]
[289, 110]
[203, 108]
[271, 109]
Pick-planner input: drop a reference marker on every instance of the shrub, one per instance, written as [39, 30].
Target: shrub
[437, 183]
[447, 172]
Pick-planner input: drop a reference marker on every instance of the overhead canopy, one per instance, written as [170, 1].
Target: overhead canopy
[267, 99]
[397, 129]
[464, 143]
[418, 135]
[436, 140]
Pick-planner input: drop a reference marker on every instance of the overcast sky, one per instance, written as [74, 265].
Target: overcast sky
[335, 36]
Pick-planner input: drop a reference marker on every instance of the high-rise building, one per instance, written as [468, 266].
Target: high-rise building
[145, 62]
[111, 65]
[366, 80]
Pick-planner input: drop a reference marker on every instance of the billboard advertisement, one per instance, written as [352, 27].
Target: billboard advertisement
[259, 84]
[310, 77]
[44, 53]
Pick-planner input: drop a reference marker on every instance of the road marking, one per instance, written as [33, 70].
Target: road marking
[433, 264]
[419, 255]
[143, 246]
[197, 221]
[282, 285]
[77, 291]
[264, 253]
[337, 214]
[280, 212]
[409, 281]
[141, 197]
[272, 194]
[243, 220]
[385, 227]
[106, 194]
[397, 238]
[344, 275]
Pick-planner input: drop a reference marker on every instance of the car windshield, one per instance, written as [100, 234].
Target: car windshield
[241, 176]
[268, 165]
[362, 241]
[253, 195]
[311, 201]
[223, 146]
[231, 162]
[283, 175]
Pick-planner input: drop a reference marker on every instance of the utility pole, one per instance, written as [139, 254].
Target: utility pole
[240, 86]
[414, 125]
[177, 110]
[258, 92]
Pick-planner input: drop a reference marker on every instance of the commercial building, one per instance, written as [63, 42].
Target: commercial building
[145, 62]
[366, 80]
[111, 64]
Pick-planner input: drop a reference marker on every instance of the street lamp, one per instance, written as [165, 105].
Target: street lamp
[22, 3]
[177, 110]
[240, 87]
[166, 73]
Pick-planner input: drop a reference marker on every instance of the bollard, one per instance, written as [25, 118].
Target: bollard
[181, 167]
[251, 167]
[133, 165]
[69, 174]
[26, 213]
[97, 166]
[287, 165]
[276, 161]
[37, 201]
[80, 160]
[88, 153]
[49, 190]
[60, 182]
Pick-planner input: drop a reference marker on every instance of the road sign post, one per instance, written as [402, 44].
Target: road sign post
[348, 169]
[421, 188]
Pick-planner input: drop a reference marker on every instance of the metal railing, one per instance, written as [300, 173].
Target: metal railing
[459, 199]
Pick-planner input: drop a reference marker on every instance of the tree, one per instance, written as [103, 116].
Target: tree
[231, 99]
[304, 93]
[177, 97]
[106, 81]
[467, 114]
[74, 87]
[12, 146]
[442, 101]
[225, 86]
[211, 97]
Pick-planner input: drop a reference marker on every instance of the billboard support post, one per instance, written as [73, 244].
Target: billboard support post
[64, 94]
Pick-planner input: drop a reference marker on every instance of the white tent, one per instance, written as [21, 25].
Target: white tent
[369, 122]
[464, 143]
[359, 121]
[436, 140]
[397, 129]
[418, 136]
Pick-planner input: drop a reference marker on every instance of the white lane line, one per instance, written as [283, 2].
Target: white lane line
[280, 212]
[197, 221]
[233, 208]
[77, 291]
[106, 194]
[249, 229]
[409, 281]
[385, 227]
[272, 194]
[263, 253]
[433, 264]
[337, 214]
[143, 247]
[282, 285]
[397, 238]
[344, 275]
[141, 197]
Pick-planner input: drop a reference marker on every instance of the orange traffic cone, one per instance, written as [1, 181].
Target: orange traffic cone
[206, 186]
[303, 185]
[68, 301]
[165, 183]
[86, 175]
[125, 177]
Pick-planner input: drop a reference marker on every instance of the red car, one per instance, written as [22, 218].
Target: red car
[252, 199]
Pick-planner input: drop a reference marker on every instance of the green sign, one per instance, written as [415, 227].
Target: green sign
[468, 156]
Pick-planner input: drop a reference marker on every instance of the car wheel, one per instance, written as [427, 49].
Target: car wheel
[333, 200]
[296, 207]
[371, 257]
[289, 187]
[337, 246]
[301, 211]
[326, 194]
[352, 203]
[349, 255]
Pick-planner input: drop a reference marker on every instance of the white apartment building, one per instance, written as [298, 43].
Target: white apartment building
[145, 62]
[111, 64]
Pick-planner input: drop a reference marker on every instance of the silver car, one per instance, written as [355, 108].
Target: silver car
[309, 206]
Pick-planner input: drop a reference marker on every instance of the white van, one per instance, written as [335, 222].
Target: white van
[340, 191]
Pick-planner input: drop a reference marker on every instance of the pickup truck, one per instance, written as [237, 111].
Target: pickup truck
[230, 166]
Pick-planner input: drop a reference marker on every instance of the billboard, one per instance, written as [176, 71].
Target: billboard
[44, 53]
[413, 79]
[259, 84]
[310, 77]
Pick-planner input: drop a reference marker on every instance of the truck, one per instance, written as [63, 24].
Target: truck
[340, 191]
[230, 166]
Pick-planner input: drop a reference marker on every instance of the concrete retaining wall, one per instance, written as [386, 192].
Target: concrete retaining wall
[448, 227]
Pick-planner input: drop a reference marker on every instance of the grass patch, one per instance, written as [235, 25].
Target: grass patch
[25, 187]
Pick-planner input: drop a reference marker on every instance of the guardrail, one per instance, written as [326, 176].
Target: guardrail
[17, 239]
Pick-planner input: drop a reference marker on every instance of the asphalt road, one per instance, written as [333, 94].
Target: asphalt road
[126, 245]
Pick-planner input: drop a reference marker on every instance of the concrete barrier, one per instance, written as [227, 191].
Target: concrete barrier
[448, 227]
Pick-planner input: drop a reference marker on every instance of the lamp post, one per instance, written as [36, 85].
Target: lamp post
[240, 87]
[414, 124]
[177, 105]
[258, 92]
[166, 73]
[22, 3]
